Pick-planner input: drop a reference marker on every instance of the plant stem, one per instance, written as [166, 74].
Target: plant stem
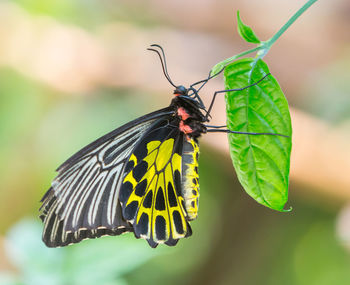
[264, 47]
[275, 37]
[216, 70]
[245, 53]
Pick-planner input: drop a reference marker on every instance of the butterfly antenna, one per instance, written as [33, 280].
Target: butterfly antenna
[163, 62]
[205, 81]
[164, 58]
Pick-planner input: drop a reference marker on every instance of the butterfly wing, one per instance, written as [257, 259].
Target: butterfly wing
[151, 194]
[83, 201]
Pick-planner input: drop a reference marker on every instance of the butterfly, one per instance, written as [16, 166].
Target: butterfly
[142, 177]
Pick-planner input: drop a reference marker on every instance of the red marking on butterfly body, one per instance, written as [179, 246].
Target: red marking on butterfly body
[185, 128]
[182, 113]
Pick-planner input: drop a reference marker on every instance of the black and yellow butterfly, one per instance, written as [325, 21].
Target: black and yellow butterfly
[140, 178]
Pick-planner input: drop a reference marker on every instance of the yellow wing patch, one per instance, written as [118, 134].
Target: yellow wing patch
[164, 154]
[151, 195]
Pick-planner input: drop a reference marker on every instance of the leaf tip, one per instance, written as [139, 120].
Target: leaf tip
[287, 210]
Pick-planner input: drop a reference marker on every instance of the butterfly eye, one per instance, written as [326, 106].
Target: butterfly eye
[182, 90]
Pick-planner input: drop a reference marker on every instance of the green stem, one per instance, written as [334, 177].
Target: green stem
[219, 66]
[280, 32]
[264, 47]
[245, 53]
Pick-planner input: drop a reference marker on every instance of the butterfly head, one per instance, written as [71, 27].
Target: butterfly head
[180, 91]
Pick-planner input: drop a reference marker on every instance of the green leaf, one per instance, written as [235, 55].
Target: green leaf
[261, 161]
[246, 32]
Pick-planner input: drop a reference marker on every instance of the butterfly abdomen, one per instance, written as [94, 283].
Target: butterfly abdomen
[190, 185]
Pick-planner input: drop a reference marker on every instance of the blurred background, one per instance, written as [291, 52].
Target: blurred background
[70, 71]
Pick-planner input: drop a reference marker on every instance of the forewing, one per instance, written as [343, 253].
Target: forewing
[151, 196]
[83, 199]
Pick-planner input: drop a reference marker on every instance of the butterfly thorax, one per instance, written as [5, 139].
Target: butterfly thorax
[190, 117]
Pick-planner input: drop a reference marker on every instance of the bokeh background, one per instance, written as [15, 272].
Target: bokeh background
[71, 71]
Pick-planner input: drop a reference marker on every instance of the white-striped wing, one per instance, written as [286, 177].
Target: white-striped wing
[83, 201]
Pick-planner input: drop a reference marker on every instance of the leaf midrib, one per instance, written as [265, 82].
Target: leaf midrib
[249, 141]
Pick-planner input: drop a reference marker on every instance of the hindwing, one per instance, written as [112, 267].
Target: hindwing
[83, 201]
[151, 192]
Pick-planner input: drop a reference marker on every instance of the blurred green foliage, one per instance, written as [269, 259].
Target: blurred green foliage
[101, 261]
[90, 13]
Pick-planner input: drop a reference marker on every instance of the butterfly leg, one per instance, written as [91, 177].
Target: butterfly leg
[230, 90]
[217, 129]
[204, 81]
